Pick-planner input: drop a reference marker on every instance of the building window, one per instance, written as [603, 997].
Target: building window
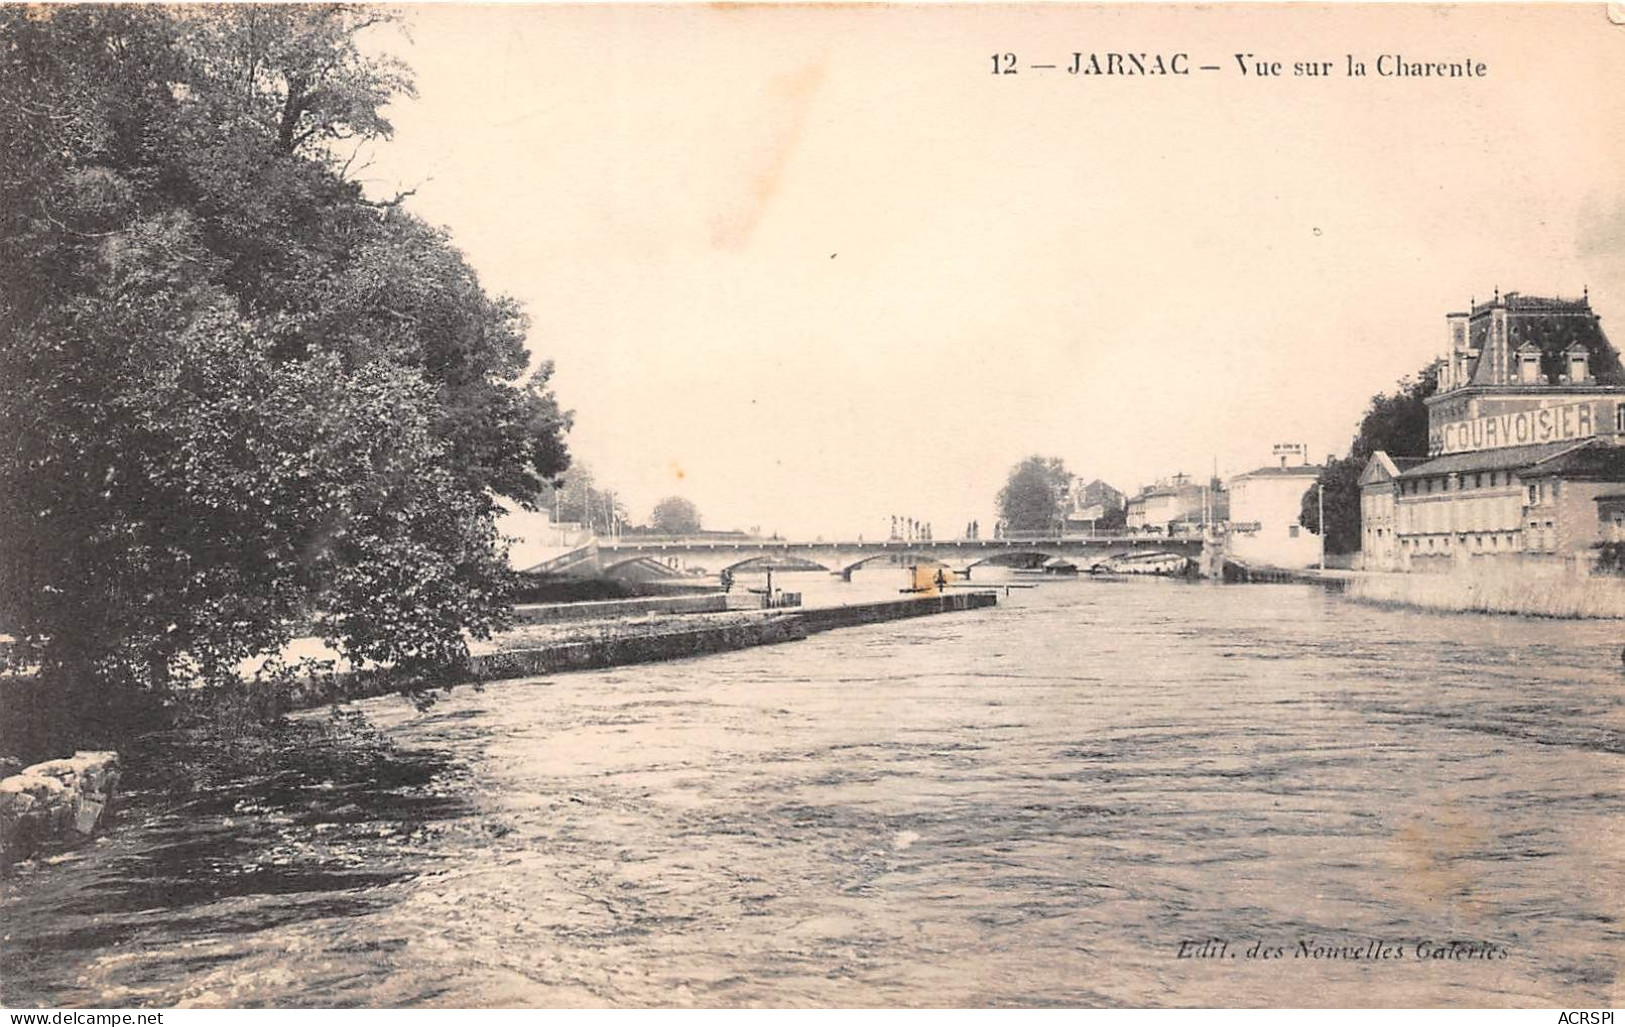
[1534, 495]
[1478, 481]
[1292, 531]
[1619, 417]
[1578, 363]
[1529, 368]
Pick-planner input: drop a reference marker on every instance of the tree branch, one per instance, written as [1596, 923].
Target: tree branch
[394, 201]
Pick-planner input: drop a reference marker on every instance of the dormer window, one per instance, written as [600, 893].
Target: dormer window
[1529, 364]
[1579, 364]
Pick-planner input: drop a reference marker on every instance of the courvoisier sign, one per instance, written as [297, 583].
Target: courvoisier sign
[1519, 428]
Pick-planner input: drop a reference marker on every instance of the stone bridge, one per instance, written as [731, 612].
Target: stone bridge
[605, 556]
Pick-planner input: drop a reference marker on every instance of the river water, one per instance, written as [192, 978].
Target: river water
[1032, 805]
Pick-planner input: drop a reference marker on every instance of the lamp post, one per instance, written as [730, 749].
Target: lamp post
[1320, 499]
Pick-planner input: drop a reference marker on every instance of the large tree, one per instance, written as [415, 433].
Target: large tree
[238, 394]
[1034, 495]
[1395, 423]
[675, 515]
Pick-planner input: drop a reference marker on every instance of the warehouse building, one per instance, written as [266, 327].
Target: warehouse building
[1523, 444]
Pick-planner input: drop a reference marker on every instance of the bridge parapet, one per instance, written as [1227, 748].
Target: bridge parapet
[843, 557]
[1012, 541]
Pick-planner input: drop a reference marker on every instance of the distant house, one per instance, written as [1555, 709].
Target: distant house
[1170, 502]
[1089, 504]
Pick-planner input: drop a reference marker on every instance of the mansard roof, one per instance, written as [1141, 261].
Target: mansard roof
[1555, 326]
[1585, 463]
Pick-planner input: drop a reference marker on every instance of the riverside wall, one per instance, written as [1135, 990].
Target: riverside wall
[829, 618]
[619, 647]
[612, 650]
[552, 613]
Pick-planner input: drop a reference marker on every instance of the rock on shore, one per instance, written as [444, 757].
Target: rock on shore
[58, 802]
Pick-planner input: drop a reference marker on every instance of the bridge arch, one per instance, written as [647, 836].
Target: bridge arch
[1015, 557]
[800, 563]
[900, 558]
[617, 568]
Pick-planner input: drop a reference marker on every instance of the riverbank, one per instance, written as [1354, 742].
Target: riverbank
[45, 806]
[603, 635]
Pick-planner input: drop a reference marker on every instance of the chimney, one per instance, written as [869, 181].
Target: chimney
[1454, 374]
[1498, 347]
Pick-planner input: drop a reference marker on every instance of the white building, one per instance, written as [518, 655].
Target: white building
[1264, 509]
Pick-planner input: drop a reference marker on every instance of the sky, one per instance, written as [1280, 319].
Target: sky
[815, 266]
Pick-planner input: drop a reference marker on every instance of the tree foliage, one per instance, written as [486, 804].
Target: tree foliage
[675, 515]
[239, 394]
[1395, 423]
[1034, 495]
[577, 499]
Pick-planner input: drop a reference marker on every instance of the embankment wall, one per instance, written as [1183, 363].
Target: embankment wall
[612, 650]
[830, 617]
[552, 613]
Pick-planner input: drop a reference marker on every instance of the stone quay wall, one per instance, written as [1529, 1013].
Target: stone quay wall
[550, 613]
[643, 646]
[593, 654]
[829, 618]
